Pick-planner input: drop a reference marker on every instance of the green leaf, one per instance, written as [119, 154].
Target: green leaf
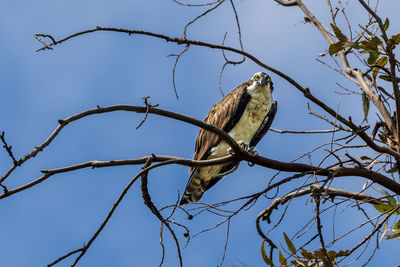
[396, 38]
[392, 170]
[367, 31]
[342, 253]
[392, 201]
[382, 208]
[375, 72]
[381, 191]
[368, 77]
[372, 45]
[264, 255]
[282, 259]
[386, 78]
[289, 244]
[365, 104]
[373, 56]
[339, 33]
[391, 44]
[394, 234]
[383, 232]
[299, 263]
[332, 254]
[334, 48]
[319, 254]
[397, 225]
[364, 158]
[352, 44]
[307, 254]
[381, 62]
[386, 24]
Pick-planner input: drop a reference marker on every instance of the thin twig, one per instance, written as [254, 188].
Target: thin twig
[174, 69]
[148, 107]
[304, 132]
[226, 242]
[154, 210]
[8, 149]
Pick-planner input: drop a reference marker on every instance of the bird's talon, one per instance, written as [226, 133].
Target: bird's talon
[243, 145]
[230, 151]
[253, 151]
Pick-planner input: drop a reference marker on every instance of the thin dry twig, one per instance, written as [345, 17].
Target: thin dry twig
[218, 3]
[174, 69]
[304, 132]
[316, 198]
[154, 210]
[8, 149]
[327, 120]
[148, 107]
[226, 242]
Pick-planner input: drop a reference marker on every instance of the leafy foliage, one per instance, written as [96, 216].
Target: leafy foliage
[302, 257]
[369, 44]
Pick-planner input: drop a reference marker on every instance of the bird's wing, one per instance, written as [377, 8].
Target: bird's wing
[262, 130]
[225, 114]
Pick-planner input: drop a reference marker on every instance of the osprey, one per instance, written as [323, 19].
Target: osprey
[246, 114]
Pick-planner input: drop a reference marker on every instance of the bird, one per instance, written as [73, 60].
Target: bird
[246, 114]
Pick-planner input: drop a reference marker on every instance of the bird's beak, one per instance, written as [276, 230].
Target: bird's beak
[263, 81]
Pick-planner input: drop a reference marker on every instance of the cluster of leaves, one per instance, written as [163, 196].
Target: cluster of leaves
[369, 44]
[392, 207]
[303, 257]
[373, 46]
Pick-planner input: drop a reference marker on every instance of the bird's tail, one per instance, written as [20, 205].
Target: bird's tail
[194, 189]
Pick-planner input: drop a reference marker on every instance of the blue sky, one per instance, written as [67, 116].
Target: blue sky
[37, 89]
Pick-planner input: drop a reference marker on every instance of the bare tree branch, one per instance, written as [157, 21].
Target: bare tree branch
[305, 91]
[304, 132]
[154, 210]
[331, 192]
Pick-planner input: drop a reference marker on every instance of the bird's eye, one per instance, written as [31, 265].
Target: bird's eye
[256, 78]
[268, 79]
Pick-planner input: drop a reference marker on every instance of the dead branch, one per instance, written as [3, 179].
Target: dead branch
[8, 149]
[154, 210]
[137, 109]
[304, 132]
[331, 192]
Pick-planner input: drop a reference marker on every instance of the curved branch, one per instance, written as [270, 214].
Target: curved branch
[137, 109]
[163, 160]
[239, 153]
[336, 172]
[304, 132]
[305, 91]
[154, 210]
[331, 192]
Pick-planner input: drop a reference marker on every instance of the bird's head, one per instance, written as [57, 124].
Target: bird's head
[261, 79]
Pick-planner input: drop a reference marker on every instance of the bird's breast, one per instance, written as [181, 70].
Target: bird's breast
[253, 115]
